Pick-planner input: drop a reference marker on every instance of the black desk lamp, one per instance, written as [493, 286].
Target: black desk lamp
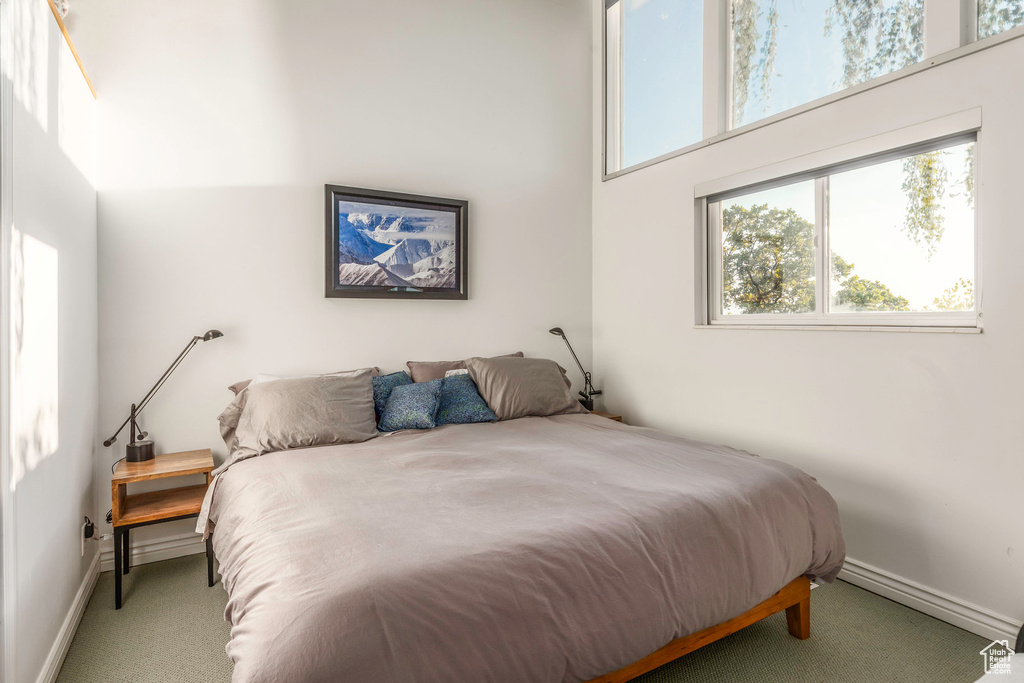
[589, 392]
[140, 448]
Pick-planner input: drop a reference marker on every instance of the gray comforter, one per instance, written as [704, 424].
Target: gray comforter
[533, 550]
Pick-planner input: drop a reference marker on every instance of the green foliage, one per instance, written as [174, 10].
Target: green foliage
[878, 37]
[768, 266]
[969, 175]
[996, 16]
[959, 297]
[768, 51]
[745, 36]
[924, 184]
[966, 179]
[854, 293]
[768, 260]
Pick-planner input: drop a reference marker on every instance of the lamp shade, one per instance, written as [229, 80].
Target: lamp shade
[557, 331]
[212, 334]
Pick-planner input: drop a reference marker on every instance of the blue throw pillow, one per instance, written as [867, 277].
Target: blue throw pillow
[461, 403]
[382, 387]
[411, 406]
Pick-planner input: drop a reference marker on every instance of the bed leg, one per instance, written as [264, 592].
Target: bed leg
[209, 560]
[798, 619]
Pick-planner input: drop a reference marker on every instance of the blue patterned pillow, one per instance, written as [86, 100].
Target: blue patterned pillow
[411, 406]
[382, 387]
[461, 403]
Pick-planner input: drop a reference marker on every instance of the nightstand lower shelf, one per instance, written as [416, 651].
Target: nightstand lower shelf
[139, 508]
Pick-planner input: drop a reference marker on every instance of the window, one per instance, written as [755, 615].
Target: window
[996, 16]
[767, 253]
[682, 73]
[785, 54]
[659, 59]
[886, 240]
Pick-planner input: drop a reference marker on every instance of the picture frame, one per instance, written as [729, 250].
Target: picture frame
[393, 245]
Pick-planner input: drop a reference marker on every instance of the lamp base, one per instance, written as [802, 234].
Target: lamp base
[139, 451]
[588, 403]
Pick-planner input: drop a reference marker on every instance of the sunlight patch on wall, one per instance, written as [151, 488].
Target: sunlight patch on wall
[34, 354]
[76, 114]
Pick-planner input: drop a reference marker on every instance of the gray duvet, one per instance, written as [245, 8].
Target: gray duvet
[534, 550]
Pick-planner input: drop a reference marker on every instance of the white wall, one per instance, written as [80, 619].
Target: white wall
[917, 436]
[221, 122]
[53, 309]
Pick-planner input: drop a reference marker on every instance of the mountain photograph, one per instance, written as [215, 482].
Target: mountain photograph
[395, 246]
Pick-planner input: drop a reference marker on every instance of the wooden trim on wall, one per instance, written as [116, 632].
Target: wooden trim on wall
[74, 52]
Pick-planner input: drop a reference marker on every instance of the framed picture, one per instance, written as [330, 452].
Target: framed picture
[389, 245]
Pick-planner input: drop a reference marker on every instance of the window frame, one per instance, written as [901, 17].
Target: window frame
[611, 87]
[969, 19]
[936, 134]
[951, 32]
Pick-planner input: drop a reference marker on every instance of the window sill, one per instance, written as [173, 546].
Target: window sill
[846, 328]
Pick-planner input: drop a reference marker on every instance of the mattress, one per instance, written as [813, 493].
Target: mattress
[539, 549]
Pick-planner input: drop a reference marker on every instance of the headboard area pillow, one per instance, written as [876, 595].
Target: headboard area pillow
[383, 385]
[424, 371]
[521, 387]
[237, 387]
[412, 406]
[296, 413]
[460, 402]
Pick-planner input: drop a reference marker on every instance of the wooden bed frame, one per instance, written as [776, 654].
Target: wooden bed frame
[795, 598]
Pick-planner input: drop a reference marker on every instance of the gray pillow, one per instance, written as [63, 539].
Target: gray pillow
[424, 371]
[520, 387]
[297, 413]
[237, 387]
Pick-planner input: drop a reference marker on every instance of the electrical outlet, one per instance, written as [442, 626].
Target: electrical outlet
[88, 531]
[81, 536]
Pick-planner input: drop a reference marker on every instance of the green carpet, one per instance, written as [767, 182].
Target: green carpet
[172, 629]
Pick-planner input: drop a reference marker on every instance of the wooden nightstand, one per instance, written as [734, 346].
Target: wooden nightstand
[610, 416]
[153, 507]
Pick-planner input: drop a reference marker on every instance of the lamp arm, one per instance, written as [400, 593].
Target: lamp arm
[163, 378]
[160, 382]
[578, 363]
[156, 387]
[588, 380]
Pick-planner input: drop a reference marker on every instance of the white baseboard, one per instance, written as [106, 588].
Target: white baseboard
[953, 610]
[155, 550]
[55, 658]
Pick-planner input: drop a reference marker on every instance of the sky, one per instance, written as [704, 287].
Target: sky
[866, 211]
[662, 54]
[808, 64]
[662, 70]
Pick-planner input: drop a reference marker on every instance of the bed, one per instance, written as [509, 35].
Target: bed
[545, 549]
